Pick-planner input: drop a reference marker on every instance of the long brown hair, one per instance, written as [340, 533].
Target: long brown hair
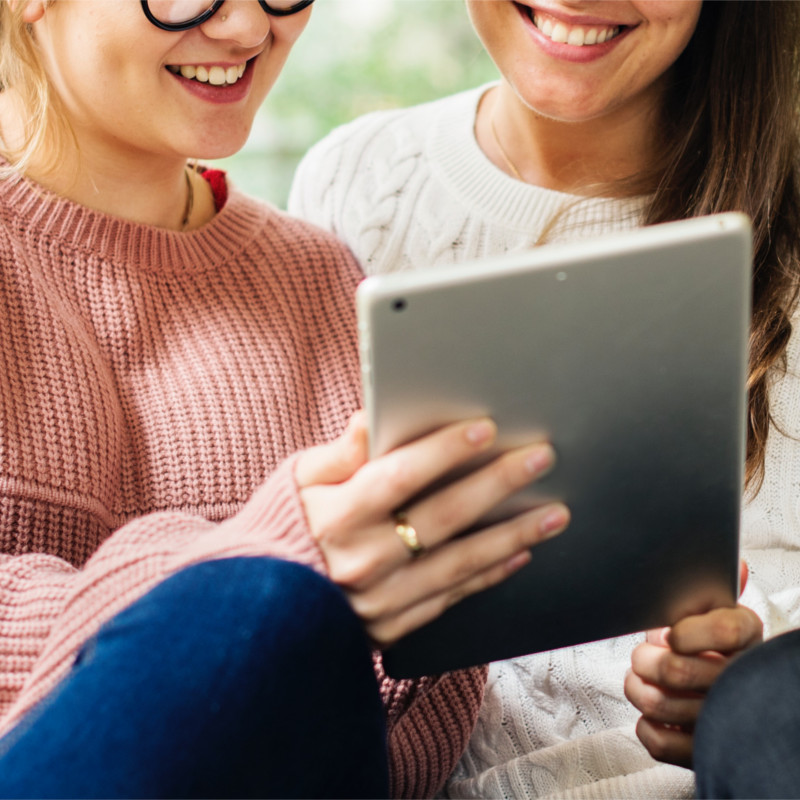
[732, 143]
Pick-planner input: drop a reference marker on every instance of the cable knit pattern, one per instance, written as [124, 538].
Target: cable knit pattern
[410, 189]
[153, 388]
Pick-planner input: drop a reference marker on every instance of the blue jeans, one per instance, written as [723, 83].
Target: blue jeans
[747, 741]
[243, 677]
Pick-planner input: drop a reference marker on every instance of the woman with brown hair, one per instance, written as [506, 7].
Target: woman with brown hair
[607, 115]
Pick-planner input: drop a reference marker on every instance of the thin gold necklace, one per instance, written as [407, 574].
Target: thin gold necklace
[509, 163]
[187, 211]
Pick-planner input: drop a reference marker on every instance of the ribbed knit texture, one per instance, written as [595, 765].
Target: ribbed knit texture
[410, 189]
[153, 388]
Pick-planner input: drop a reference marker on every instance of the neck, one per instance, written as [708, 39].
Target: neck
[572, 157]
[137, 186]
[146, 191]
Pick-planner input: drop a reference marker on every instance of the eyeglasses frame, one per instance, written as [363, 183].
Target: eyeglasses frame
[215, 6]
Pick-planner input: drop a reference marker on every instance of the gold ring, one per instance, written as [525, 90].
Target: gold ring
[407, 534]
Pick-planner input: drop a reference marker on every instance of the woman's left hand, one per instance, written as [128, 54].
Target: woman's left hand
[673, 670]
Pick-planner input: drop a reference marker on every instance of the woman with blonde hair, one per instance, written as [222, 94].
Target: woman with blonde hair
[188, 605]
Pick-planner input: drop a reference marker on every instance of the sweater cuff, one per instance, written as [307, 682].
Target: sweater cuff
[272, 523]
[428, 738]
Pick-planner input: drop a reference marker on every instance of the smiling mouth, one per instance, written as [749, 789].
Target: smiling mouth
[576, 35]
[214, 75]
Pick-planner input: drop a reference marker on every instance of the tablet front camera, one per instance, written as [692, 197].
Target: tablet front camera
[399, 304]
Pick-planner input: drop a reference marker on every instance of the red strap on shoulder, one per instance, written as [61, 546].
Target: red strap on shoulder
[218, 182]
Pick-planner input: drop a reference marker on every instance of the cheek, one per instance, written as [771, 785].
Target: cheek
[671, 24]
[82, 60]
[675, 19]
[288, 29]
[490, 22]
[268, 68]
[284, 32]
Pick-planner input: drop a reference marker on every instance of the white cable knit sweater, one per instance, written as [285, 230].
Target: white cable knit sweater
[411, 188]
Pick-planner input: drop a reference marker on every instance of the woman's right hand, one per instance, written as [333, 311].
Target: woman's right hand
[351, 502]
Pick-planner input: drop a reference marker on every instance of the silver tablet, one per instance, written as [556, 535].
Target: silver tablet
[629, 354]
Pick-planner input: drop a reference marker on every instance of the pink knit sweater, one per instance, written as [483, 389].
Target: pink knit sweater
[153, 386]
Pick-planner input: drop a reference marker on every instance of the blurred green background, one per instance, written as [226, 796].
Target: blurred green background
[356, 56]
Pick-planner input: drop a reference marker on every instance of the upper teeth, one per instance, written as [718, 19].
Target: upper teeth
[577, 35]
[216, 76]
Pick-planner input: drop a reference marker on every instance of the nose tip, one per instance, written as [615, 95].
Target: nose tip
[242, 21]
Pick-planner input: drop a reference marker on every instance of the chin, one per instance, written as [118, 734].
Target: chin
[207, 151]
[571, 112]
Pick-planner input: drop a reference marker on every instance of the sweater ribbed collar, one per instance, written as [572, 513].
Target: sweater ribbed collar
[37, 214]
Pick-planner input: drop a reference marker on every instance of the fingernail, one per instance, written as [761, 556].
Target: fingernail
[481, 432]
[540, 459]
[518, 561]
[554, 522]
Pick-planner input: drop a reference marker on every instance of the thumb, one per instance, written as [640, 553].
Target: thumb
[338, 460]
[744, 573]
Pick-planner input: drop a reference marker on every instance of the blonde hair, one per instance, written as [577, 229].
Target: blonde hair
[21, 70]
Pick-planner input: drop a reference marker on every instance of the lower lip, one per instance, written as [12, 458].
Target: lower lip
[219, 94]
[569, 52]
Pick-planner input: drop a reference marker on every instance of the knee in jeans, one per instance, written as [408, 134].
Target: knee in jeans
[287, 602]
[247, 612]
[754, 686]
